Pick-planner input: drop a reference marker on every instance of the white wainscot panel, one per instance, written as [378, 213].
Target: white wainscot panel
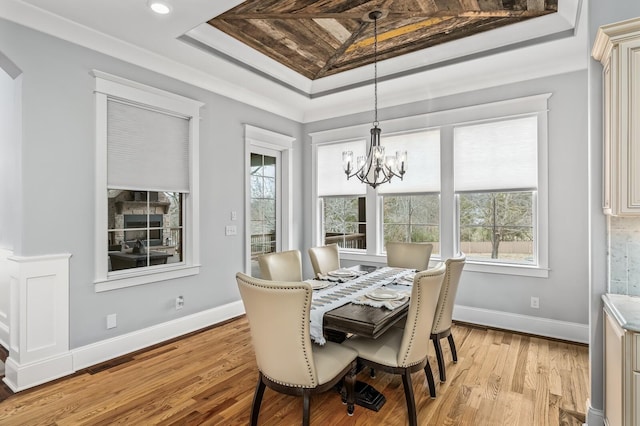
[38, 321]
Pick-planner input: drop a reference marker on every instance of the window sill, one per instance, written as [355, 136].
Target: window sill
[144, 277]
[507, 269]
[471, 265]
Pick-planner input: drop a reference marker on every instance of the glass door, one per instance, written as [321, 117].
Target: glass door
[264, 205]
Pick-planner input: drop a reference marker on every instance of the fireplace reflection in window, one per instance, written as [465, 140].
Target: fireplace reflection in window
[135, 226]
[144, 229]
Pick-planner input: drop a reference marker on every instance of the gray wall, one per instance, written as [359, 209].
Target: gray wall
[600, 13]
[58, 183]
[10, 182]
[564, 295]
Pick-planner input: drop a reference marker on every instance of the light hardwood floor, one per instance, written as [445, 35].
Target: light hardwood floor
[208, 378]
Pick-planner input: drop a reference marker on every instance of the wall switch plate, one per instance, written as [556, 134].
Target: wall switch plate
[112, 321]
[535, 302]
[234, 215]
[179, 302]
[230, 230]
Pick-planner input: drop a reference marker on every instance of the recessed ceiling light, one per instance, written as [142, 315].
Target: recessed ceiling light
[161, 7]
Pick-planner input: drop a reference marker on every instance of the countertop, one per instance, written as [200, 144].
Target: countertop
[625, 309]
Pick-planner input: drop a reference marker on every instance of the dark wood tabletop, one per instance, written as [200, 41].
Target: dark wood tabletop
[363, 320]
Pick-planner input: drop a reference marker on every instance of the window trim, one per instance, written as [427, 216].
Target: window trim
[111, 86]
[446, 120]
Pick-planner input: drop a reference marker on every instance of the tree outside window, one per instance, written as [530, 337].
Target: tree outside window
[497, 225]
[412, 218]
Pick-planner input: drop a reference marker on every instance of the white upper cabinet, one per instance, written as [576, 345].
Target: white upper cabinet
[617, 47]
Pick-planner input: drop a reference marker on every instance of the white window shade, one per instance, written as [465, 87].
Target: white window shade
[146, 150]
[500, 155]
[332, 179]
[423, 162]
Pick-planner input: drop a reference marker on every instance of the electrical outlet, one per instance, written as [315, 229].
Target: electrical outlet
[230, 230]
[535, 302]
[179, 302]
[112, 321]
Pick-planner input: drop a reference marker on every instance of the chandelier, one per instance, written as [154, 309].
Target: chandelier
[375, 168]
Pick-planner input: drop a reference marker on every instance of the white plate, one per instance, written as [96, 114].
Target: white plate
[318, 285]
[341, 273]
[383, 294]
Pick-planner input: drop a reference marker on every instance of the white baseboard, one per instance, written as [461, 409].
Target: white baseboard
[24, 376]
[594, 417]
[570, 331]
[105, 350]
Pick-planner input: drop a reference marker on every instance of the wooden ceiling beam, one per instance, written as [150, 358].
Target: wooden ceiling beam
[340, 51]
[392, 15]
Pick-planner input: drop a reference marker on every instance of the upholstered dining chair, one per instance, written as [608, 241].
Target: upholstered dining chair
[281, 266]
[325, 258]
[444, 311]
[278, 314]
[409, 255]
[404, 350]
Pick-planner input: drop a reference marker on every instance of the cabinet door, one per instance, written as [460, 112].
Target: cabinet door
[636, 398]
[631, 61]
[613, 372]
[607, 157]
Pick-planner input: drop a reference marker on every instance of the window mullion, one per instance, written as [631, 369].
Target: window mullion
[448, 211]
[374, 222]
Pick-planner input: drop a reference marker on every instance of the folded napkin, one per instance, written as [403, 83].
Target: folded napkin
[403, 281]
[320, 284]
[406, 278]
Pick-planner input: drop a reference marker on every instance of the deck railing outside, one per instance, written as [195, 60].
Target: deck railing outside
[350, 241]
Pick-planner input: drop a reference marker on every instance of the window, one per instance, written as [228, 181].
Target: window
[497, 226]
[342, 202]
[146, 184]
[411, 207]
[345, 221]
[476, 182]
[145, 228]
[412, 218]
[496, 180]
[263, 205]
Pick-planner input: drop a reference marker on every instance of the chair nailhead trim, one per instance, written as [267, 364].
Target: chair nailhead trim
[305, 319]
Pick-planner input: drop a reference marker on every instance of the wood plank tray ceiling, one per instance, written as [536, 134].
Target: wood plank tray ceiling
[322, 38]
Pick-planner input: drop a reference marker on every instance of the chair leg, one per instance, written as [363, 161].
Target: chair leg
[349, 384]
[440, 358]
[411, 402]
[430, 381]
[257, 401]
[452, 345]
[306, 407]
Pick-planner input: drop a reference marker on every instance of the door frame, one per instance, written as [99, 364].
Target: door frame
[260, 139]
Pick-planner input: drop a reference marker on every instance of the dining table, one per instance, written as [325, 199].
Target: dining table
[345, 304]
[362, 300]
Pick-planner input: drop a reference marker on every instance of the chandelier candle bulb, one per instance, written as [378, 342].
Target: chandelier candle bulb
[401, 161]
[347, 161]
